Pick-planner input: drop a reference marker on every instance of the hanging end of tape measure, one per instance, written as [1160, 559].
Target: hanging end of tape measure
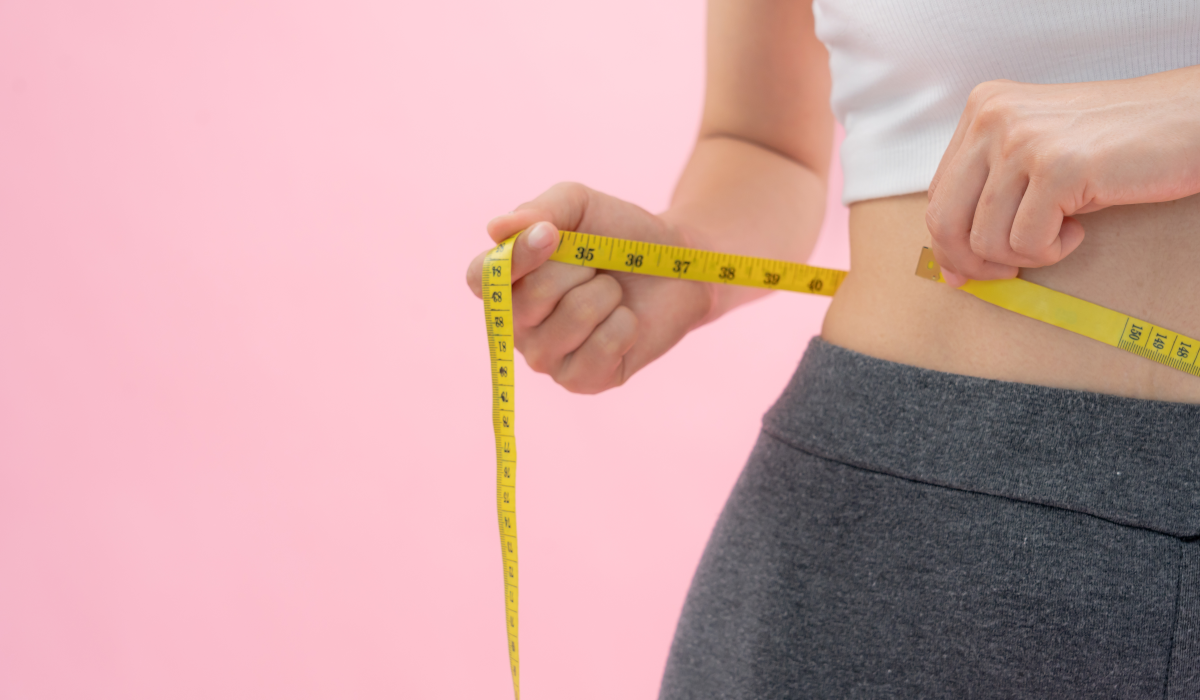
[928, 268]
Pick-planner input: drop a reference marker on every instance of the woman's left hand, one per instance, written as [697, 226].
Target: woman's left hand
[1026, 157]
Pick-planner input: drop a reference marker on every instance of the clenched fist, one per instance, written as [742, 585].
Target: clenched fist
[590, 330]
[1025, 158]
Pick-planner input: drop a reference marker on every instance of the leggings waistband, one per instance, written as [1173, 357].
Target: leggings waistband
[1129, 461]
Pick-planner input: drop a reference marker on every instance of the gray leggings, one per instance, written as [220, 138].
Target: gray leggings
[900, 532]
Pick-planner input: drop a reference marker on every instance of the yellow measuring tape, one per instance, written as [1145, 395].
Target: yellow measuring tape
[1085, 318]
[1110, 327]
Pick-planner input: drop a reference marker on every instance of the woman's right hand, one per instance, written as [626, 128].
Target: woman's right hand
[590, 329]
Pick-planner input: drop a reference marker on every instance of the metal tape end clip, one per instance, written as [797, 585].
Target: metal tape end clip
[928, 268]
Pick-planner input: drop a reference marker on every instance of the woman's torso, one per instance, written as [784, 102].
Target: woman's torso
[1143, 260]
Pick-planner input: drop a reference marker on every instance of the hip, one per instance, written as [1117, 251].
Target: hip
[900, 532]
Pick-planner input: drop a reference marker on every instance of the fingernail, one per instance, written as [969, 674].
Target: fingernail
[540, 236]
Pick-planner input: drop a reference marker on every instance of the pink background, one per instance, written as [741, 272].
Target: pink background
[245, 447]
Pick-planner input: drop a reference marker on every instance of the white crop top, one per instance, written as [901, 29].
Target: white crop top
[902, 69]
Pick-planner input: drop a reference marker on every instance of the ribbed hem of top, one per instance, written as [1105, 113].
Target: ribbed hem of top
[907, 166]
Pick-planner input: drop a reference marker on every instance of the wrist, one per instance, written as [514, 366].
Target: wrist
[710, 297]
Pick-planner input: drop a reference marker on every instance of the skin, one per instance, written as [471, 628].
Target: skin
[1026, 158]
[1084, 188]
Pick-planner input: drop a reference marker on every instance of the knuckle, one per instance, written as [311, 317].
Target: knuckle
[977, 95]
[563, 204]
[527, 312]
[993, 114]
[982, 94]
[978, 242]
[999, 111]
[1024, 246]
[534, 290]
[537, 357]
[586, 308]
[568, 188]
[579, 388]
[1043, 162]
[987, 245]
[608, 286]
[578, 384]
[525, 315]
[935, 220]
[591, 304]
[573, 193]
[1016, 140]
[1042, 159]
[988, 89]
[1055, 161]
[1031, 249]
[608, 343]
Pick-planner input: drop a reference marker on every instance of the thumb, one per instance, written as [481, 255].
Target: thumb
[533, 247]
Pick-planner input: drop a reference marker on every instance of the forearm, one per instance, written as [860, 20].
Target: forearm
[739, 197]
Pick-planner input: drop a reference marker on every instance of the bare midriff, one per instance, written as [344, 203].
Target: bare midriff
[1142, 260]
